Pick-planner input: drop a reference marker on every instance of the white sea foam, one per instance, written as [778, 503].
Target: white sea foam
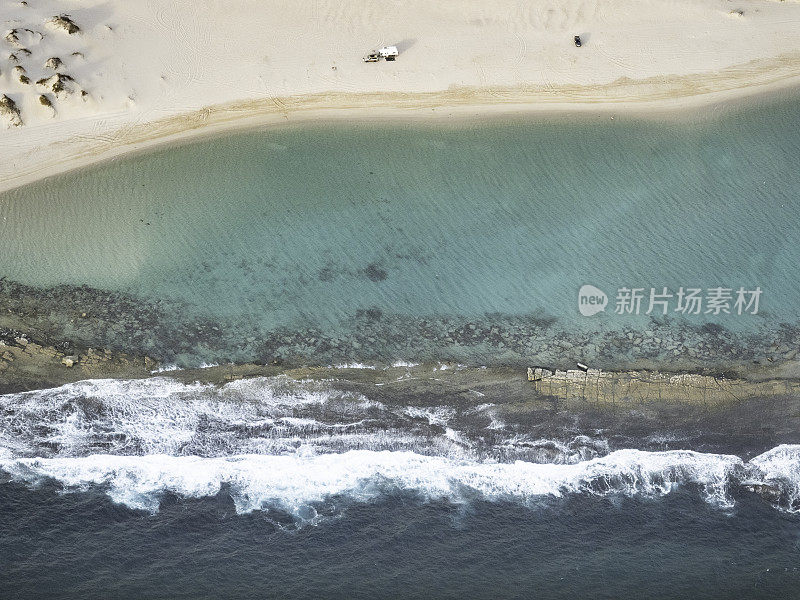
[165, 369]
[161, 415]
[277, 441]
[490, 410]
[496, 424]
[437, 415]
[580, 448]
[293, 482]
[480, 408]
[780, 469]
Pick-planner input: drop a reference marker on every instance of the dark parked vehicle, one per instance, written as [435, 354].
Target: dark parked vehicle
[578, 41]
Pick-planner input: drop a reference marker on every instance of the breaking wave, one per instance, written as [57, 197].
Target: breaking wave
[266, 415]
[296, 482]
[277, 442]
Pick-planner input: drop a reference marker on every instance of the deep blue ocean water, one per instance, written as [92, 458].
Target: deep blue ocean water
[269, 488]
[82, 545]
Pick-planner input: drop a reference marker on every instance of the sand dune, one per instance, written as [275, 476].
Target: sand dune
[139, 72]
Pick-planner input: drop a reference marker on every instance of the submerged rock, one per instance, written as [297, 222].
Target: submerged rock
[770, 493]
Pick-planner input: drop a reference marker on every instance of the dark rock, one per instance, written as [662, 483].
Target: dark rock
[375, 273]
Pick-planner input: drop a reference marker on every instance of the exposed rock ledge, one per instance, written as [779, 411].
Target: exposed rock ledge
[25, 365]
[594, 385]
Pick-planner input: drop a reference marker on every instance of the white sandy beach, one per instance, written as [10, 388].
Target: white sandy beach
[155, 70]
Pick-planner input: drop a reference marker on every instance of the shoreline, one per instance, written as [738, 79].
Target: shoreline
[632, 408]
[30, 361]
[127, 81]
[688, 96]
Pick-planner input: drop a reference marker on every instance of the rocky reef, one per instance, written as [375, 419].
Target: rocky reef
[26, 364]
[172, 332]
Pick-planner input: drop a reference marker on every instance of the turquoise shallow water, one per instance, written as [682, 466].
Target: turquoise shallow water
[314, 225]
